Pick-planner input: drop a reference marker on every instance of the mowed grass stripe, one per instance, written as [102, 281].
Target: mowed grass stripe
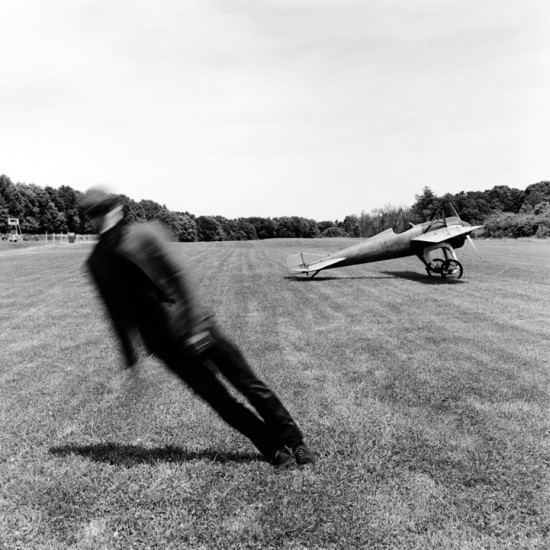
[427, 401]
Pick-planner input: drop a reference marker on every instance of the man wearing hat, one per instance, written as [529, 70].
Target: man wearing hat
[144, 290]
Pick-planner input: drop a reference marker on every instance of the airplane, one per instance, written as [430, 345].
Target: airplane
[421, 240]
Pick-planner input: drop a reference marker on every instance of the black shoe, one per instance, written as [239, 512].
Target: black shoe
[283, 459]
[303, 455]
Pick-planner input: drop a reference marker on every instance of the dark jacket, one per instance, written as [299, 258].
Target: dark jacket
[143, 288]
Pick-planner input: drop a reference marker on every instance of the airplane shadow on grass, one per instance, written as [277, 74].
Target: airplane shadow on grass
[321, 278]
[422, 278]
[409, 275]
[128, 456]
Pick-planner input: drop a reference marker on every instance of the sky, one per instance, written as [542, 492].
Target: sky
[312, 108]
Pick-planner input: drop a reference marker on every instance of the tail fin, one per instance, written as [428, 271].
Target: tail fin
[298, 263]
[310, 263]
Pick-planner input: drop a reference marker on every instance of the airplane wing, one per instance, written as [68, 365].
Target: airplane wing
[444, 234]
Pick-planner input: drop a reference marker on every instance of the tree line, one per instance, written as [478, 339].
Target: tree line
[504, 211]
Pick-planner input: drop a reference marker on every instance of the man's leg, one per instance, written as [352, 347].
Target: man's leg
[203, 381]
[234, 367]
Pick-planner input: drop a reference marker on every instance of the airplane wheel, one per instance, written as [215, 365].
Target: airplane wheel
[436, 267]
[451, 269]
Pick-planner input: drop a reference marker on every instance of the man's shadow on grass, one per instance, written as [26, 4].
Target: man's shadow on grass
[129, 456]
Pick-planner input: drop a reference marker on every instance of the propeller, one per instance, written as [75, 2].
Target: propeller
[462, 223]
[475, 247]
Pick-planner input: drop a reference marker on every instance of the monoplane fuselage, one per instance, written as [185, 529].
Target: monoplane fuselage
[420, 240]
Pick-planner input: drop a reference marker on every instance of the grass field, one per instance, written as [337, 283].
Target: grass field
[427, 401]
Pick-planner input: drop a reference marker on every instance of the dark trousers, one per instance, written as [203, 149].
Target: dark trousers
[271, 428]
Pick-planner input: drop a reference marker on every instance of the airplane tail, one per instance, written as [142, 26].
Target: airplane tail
[298, 263]
[310, 263]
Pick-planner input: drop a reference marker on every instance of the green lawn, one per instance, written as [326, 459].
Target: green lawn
[427, 401]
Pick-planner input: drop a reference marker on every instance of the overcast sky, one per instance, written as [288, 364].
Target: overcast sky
[313, 108]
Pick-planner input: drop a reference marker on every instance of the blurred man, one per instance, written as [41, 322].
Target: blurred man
[145, 290]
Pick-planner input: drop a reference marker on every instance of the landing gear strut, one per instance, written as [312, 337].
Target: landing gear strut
[448, 267]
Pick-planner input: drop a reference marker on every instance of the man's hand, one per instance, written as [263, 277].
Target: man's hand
[200, 342]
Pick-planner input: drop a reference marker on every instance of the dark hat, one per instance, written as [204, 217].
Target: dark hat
[97, 202]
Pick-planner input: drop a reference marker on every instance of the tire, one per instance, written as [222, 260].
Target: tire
[451, 269]
[438, 265]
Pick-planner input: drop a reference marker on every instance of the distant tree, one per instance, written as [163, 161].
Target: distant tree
[541, 208]
[324, 225]
[237, 230]
[16, 202]
[472, 206]
[285, 227]
[68, 200]
[171, 222]
[543, 221]
[37, 211]
[54, 197]
[133, 211]
[502, 198]
[499, 225]
[245, 230]
[296, 227]
[52, 216]
[5, 185]
[308, 228]
[380, 219]
[369, 224]
[187, 228]
[535, 194]
[28, 207]
[394, 217]
[351, 226]
[4, 214]
[425, 204]
[151, 210]
[508, 224]
[7, 191]
[265, 228]
[228, 227]
[209, 229]
[334, 231]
